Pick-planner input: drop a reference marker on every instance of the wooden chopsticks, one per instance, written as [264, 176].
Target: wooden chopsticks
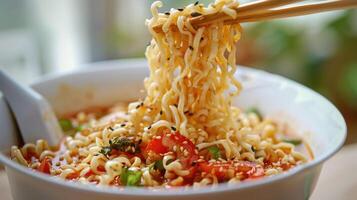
[241, 10]
[270, 9]
[297, 10]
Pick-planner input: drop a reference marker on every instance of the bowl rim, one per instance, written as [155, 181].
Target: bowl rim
[184, 191]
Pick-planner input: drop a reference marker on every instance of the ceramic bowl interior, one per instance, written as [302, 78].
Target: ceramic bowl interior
[310, 115]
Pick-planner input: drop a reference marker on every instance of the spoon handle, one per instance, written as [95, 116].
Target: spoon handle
[32, 112]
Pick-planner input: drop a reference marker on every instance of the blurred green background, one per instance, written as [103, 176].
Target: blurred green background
[38, 37]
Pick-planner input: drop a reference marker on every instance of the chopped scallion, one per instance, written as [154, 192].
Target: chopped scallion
[130, 177]
[79, 128]
[158, 165]
[66, 125]
[214, 151]
[293, 141]
[255, 111]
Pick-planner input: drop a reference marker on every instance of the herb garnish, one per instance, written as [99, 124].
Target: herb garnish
[68, 128]
[293, 141]
[254, 110]
[158, 165]
[79, 128]
[66, 124]
[106, 151]
[121, 144]
[214, 151]
[124, 145]
[130, 177]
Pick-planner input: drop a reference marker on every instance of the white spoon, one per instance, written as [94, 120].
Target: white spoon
[32, 112]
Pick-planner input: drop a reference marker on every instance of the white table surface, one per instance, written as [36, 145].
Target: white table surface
[338, 180]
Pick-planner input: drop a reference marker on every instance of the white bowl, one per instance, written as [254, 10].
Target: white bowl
[311, 115]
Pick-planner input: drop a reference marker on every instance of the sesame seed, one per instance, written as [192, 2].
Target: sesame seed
[195, 14]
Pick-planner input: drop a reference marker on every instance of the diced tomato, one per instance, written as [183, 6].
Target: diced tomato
[183, 147]
[286, 166]
[89, 173]
[156, 146]
[72, 176]
[45, 166]
[101, 168]
[192, 173]
[223, 170]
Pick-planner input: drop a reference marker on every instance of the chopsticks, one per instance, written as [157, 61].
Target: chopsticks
[242, 10]
[294, 11]
[263, 10]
